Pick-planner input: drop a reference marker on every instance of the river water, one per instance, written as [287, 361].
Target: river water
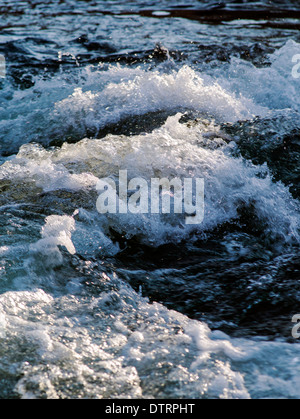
[140, 305]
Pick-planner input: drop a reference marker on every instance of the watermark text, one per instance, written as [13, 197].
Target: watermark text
[296, 328]
[159, 196]
[143, 408]
[296, 68]
[2, 67]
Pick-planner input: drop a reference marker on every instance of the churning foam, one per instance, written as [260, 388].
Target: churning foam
[104, 95]
[104, 345]
[174, 150]
[78, 343]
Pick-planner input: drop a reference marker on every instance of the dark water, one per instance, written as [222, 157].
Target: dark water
[132, 306]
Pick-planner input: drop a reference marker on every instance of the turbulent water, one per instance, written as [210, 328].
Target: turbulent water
[137, 305]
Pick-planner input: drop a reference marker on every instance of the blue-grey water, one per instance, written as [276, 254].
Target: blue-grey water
[145, 306]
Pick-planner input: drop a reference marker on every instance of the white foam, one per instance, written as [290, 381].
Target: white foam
[104, 344]
[161, 13]
[138, 92]
[92, 346]
[56, 232]
[273, 87]
[34, 164]
[174, 150]
[54, 109]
